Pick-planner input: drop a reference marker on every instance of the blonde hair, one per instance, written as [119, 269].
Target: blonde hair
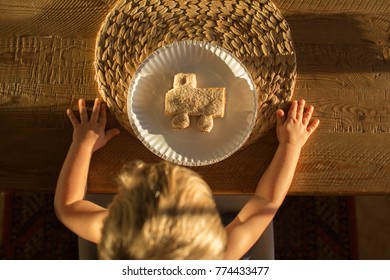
[162, 211]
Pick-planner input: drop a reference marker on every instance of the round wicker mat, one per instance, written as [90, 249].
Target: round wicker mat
[254, 31]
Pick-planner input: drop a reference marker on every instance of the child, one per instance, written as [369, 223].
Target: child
[164, 211]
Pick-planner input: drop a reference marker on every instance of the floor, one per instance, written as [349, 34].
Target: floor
[373, 226]
[2, 209]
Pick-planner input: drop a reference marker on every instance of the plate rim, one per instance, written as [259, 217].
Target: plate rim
[131, 113]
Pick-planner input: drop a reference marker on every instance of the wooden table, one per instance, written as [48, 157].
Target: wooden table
[343, 52]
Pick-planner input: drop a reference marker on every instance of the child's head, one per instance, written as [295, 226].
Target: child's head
[162, 211]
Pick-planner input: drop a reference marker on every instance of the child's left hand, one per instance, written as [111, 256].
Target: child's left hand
[91, 132]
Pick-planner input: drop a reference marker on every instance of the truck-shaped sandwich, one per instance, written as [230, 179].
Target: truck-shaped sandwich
[185, 100]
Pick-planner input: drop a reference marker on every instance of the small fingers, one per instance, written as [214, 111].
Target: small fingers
[95, 110]
[83, 110]
[72, 117]
[300, 109]
[292, 113]
[313, 126]
[307, 115]
[280, 117]
[102, 120]
[111, 134]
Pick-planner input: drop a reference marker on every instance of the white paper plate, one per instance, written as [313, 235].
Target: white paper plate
[214, 67]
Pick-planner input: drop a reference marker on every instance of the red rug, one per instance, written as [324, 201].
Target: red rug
[316, 228]
[304, 228]
[32, 231]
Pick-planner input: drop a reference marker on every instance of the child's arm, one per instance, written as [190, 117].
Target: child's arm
[293, 131]
[82, 217]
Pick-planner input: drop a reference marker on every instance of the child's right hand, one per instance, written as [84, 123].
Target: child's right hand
[295, 128]
[90, 132]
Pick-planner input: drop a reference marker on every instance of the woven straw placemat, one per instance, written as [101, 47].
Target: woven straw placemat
[254, 31]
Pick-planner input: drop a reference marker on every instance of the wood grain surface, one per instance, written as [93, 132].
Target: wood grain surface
[343, 57]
